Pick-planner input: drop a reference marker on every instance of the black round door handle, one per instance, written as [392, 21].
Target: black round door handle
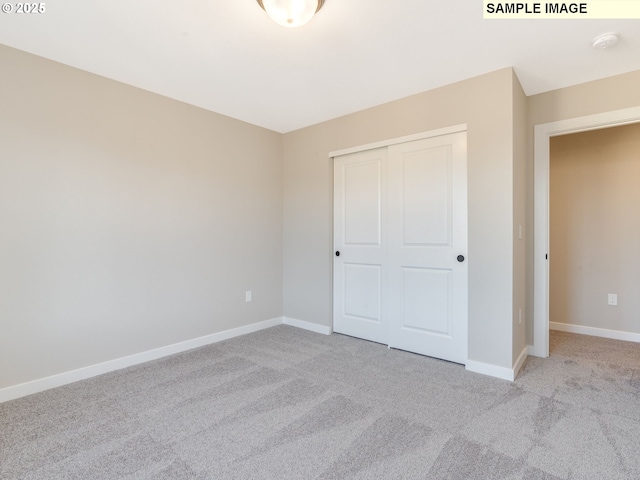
[461, 258]
[338, 253]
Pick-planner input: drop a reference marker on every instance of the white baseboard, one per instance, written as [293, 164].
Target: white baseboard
[491, 370]
[313, 327]
[520, 361]
[35, 386]
[596, 332]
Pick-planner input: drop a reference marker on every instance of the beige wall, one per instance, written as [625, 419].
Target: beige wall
[606, 95]
[595, 228]
[128, 221]
[485, 103]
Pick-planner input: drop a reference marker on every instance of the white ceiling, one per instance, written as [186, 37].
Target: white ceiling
[229, 57]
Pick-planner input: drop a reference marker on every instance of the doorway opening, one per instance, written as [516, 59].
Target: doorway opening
[543, 135]
[594, 233]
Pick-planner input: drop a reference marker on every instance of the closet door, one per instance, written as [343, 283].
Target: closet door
[359, 283]
[427, 247]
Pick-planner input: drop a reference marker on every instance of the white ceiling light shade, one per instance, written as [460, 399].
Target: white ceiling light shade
[605, 40]
[291, 13]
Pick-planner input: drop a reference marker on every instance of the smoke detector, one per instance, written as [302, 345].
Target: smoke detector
[605, 40]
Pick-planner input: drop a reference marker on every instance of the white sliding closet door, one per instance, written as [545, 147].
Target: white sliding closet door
[427, 248]
[400, 238]
[359, 222]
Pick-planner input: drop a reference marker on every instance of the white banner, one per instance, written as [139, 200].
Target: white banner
[590, 9]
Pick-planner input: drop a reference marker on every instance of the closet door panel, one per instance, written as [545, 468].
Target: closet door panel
[359, 266]
[427, 232]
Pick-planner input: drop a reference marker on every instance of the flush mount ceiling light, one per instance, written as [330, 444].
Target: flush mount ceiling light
[291, 13]
[605, 40]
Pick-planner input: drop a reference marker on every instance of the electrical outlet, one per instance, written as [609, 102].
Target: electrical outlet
[613, 299]
[247, 296]
[520, 316]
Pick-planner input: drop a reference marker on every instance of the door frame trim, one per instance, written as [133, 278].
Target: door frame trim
[462, 127]
[542, 135]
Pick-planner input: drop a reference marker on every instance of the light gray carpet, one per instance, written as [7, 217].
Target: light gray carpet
[285, 403]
